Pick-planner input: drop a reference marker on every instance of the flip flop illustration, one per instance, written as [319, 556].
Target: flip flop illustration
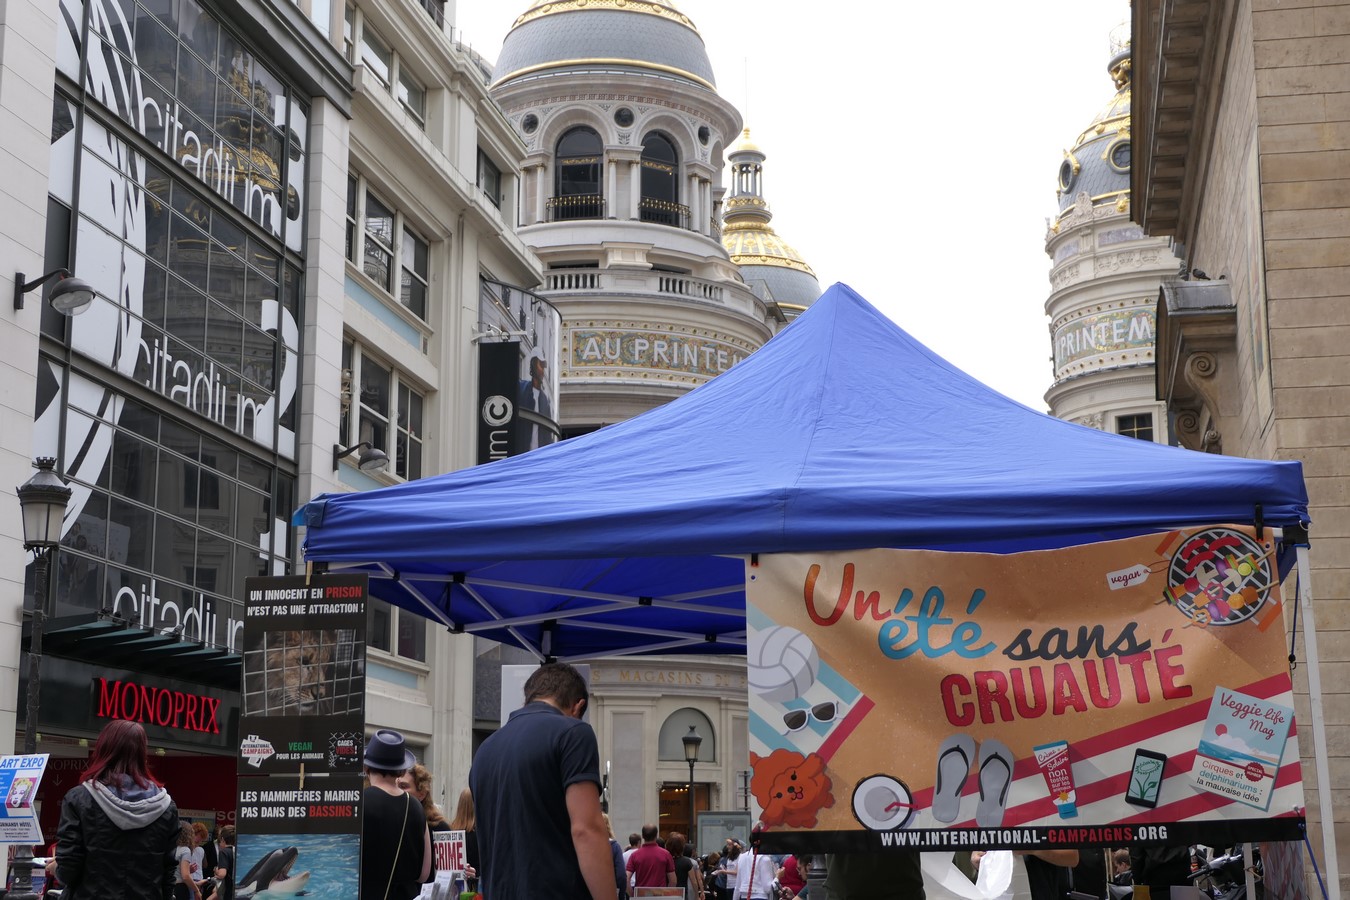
[996, 768]
[955, 754]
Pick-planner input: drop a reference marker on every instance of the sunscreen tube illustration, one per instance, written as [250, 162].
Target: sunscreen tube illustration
[1053, 760]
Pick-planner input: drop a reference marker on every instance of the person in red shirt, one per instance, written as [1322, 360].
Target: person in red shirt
[650, 865]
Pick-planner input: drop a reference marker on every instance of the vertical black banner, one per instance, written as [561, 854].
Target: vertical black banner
[498, 388]
[304, 679]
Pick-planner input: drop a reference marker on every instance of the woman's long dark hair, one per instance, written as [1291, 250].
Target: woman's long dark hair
[121, 749]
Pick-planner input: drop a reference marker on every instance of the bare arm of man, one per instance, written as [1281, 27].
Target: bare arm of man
[591, 839]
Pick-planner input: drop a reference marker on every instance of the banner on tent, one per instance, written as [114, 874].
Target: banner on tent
[1127, 691]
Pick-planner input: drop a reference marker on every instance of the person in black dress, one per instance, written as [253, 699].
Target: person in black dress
[395, 840]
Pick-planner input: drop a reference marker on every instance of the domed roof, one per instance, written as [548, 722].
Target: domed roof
[1099, 163]
[765, 259]
[644, 34]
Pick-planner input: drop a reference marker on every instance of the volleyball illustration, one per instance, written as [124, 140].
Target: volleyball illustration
[782, 663]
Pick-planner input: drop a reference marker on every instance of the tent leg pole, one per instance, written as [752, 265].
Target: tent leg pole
[1319, 729]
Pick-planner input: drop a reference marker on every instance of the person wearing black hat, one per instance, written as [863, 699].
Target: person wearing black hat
[395, 842]
[536, 789]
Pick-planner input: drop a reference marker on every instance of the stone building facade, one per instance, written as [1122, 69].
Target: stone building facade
[1241, 140]
[1104, 281]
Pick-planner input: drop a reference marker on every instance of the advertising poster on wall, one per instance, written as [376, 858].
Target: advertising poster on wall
[526, 375]
[299, 837]
[304, 679]
[1128, 691]
[19, 780]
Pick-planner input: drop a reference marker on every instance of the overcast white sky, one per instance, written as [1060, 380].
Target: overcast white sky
[912, 150]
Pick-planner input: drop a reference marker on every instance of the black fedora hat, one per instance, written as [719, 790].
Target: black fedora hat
[387, 750]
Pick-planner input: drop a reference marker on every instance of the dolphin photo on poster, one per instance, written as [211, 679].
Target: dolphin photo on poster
[299, 837]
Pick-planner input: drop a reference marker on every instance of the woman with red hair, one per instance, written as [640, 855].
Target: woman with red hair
[119, 826]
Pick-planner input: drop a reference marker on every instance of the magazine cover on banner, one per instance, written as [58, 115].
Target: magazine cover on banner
[1121, 692]
[304, 675]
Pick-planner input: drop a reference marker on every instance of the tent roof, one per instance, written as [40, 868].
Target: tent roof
[842, 432]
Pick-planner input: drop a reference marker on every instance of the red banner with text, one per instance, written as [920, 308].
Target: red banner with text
[1127, 691]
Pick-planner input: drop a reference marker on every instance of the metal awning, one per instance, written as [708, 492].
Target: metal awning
[106, 639]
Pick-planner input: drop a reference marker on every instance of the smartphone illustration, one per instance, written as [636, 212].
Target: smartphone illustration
[1146, 777]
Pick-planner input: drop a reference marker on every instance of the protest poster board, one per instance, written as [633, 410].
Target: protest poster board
[299, 835]
[1130, 691]
[20, 777]
[449, 857]
[304, 682]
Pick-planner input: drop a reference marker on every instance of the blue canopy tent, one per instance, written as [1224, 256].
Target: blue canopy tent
[843, 432]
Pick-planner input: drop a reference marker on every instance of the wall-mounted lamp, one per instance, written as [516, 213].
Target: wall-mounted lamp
[370, 459]
[70, 297]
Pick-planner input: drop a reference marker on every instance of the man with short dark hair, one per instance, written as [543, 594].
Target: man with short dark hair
[536, 790]
[634, 842]
[651, 865]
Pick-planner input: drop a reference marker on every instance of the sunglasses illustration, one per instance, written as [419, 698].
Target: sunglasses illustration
[824, 713]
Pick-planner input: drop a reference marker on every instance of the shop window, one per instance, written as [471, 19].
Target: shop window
[387, 410]
[396, 631]
[1136, 426]
[489, 179]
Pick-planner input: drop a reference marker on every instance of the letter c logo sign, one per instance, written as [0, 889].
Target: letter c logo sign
[497, 410]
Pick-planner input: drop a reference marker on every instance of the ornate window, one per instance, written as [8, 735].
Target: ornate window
[660, 182]
[577, 167]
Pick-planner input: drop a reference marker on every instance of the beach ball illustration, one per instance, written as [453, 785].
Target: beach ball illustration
[782, 663]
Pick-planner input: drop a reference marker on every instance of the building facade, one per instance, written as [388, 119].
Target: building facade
[1240, 147]
[1104, 281]
[298, 219]
[621, 197]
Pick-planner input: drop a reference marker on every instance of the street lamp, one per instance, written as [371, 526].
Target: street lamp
[42, 501]
[691, 742]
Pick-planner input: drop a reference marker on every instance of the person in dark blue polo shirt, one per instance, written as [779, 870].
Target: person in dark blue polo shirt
[536, 787]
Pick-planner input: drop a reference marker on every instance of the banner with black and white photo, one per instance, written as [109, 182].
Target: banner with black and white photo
[304, 683]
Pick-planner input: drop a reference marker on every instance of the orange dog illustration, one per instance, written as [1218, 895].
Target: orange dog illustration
[790, 788]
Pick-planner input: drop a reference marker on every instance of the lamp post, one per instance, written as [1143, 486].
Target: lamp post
[691, 743]
[42, 500]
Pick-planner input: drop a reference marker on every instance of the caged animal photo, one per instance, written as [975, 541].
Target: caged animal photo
[300, 673]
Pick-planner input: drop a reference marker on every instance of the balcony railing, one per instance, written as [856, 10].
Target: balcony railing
[435, 9]
[667, 284]
[576, 206]
[663, 212]
[583, 280]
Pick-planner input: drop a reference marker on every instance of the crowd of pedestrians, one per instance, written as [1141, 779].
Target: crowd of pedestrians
[531, 815]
